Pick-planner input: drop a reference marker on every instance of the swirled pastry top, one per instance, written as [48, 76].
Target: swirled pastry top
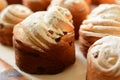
[103, 20]
[14, 14]
[45, 27]
[104, 54]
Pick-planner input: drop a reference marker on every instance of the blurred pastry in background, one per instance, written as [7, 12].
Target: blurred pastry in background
[102, 21]
[44, 42]
[97, 2]
[78, 8]
[14, 1]
[117, 1]
[3, 4]
[88, 2]
[9, 17]
[37, 5]
[103, 59]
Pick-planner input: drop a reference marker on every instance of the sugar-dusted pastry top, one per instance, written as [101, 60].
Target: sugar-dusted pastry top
[104, 55]
[78, 8]
[103, 20]
[14, 14]
[45, 27]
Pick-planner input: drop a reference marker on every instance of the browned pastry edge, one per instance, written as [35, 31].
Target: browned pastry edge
[33, 4]
[49, 62]
[88, 2]
[6, 35]
[79, 16]
[85, 42]
[97, 2]
[14, 1]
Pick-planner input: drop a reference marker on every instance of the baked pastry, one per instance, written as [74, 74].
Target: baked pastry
[97, 2]
[37, 5]
[3, 4]
[102, 21]
[78, 8]
[14, 1]
[9, 17]
[45, 42]
[103, 61]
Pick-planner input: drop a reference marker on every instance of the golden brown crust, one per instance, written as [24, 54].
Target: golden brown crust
[48, 62]
[14, 1]
[97, 2]
[6, 35]
[37, 5]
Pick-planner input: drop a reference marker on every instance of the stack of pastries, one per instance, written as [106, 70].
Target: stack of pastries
[45, 41]
[103, 60]
[102, 21]
[9, 17]
[78, 8]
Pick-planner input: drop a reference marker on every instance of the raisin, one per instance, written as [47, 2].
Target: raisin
[57, 39]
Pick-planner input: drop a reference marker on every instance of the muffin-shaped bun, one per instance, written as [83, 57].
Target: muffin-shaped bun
[9, 17]
[104, 57]
[78, 8]
[37, 5]
[97, 2]
[3, 4]
[14, 1]
[44, 42]
[103, 21]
